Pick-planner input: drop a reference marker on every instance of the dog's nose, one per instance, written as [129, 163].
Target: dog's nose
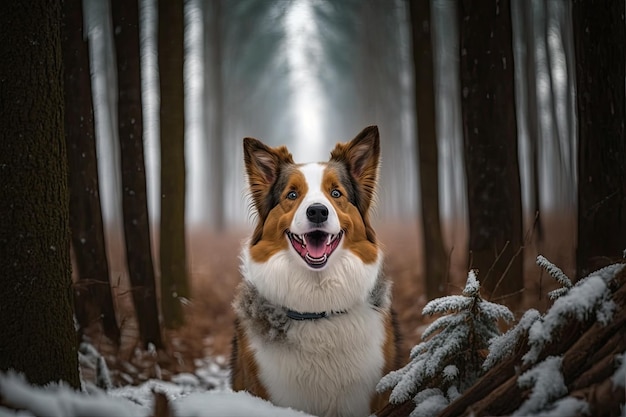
[317, 213]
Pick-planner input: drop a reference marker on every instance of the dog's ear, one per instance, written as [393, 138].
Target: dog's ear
[362, 157]
[263, 164]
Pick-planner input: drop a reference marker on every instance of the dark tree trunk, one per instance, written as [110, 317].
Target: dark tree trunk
[434, 252]
[134, 197]
[600, 55]
[92, 292]
[172, 254]
[38, 336]
[490, 134]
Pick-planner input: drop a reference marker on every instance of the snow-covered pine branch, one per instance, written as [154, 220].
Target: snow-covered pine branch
[556, 273]
[472, 286]
[590, 296]
[547, 384]
[450, 357]
[502, 346]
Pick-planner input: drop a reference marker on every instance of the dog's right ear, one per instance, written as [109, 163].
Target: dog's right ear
[263, 164]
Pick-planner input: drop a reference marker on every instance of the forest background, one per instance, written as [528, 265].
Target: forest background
[502, 128]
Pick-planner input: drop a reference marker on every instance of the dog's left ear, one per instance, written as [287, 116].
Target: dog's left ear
[362, 157]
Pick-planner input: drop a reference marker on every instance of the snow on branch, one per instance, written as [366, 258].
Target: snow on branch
[429, 403]
[547, 383]
[619, 377]
[450, 357]
[472, 286]
[556, 273]
[447, 304]
[590, 295]
[501, 347]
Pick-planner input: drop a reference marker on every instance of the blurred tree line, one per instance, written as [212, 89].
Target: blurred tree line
[510, 77]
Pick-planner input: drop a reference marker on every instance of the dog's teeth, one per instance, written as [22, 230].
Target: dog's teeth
[330, 239]
[303, 241]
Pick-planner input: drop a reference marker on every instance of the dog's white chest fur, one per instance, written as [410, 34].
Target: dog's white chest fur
[327, 367]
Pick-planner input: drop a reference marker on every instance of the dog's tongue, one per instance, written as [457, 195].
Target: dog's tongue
[316, 244]
[316, 250]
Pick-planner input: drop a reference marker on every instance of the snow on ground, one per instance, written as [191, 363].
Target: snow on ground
[59, 400]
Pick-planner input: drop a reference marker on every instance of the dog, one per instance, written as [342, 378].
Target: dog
[314, 327]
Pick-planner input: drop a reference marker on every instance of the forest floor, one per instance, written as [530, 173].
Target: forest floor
[200, 349]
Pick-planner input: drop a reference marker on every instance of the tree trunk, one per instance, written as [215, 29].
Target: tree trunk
[134, 197]
[600, 56]
[522, 19]
[92, 292]
[490, 133]
[38, 336]
[434, 252]
[217, 131]
[172, 253]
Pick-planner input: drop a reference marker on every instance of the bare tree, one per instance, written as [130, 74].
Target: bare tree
[213, 16]
[93, 299]
[172, 253]
[434, 251]
[600, 56]
[134, 198]
[38, 336]
[490, 134]
[526, 96]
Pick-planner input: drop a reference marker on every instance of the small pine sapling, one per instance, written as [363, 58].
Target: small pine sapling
[451, 355]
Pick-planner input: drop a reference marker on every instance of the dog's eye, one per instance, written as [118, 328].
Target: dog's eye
[335, 193]
[292, 195]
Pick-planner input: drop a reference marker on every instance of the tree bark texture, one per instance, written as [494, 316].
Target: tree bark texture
[600, 55]
[38, 336]
[490, 134]
[92, 293]
[134, 196]
[435, 270]
[172, 253]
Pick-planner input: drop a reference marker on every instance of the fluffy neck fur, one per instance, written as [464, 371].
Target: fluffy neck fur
[267, 315]
[345, 282]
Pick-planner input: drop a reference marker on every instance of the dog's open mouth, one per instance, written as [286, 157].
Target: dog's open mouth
[315, 247]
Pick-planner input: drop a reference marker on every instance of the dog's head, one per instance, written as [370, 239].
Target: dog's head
[312, 211]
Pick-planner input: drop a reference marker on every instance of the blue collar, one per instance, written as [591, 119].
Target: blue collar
[294, 315]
